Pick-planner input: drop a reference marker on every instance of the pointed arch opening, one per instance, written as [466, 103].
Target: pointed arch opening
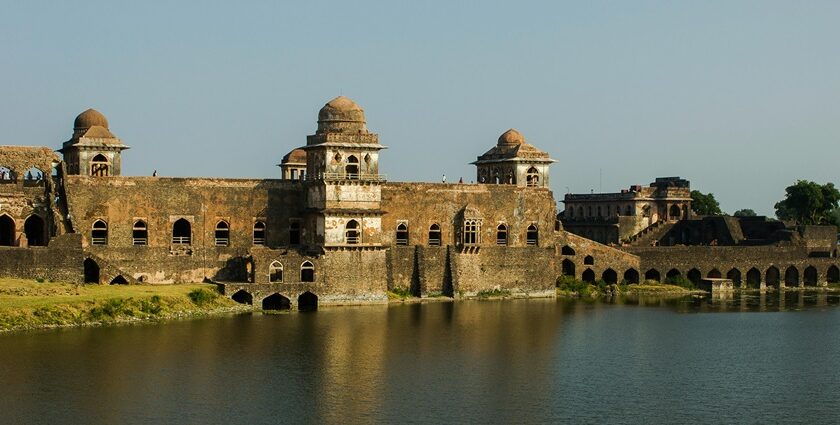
[181, 232]
[99, 233]
[119, 280]
[631, 276]
[222, 233]
[653, 275]
[259, 233]
[833, 274]
[276, 301]
[243, 297]
[772, 277]
[100, 166]
[307, 272]
[275, 272]
[402, 234]
[694, 276]
[811, 276]
[568, 267]
[33, 177]
[532, 178]
[501, 235]
[753, 278]
[588, 276]
[307, 301]
[352, 167]
[589, 260]
[674, 212]
[714, 274]
[139, 233]
[791, 277]
[352, 233]
[673, 274]
[91, 270]
[7, 176]
[610, 276]
[735, 276]
[567, 250]
[7, 231]
[533, 236]
[35, 229]
[434, 235]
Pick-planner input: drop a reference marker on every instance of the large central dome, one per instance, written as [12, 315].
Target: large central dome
[341, 115]
[88, 119]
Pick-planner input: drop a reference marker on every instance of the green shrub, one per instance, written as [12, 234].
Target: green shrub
[39, 280]
[680, 281]
[569, 283]
[201, 296]
[400, 292]
[496, 292]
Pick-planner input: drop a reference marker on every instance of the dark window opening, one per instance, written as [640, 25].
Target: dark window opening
[275, 272]
[139, 233]
[694, 276]
[91, 271]
[610, 276]
[532, 237]
[653, 275]
[791, 277]
[772, 277]
[533, 177]
[35, 231]
[99, 233]
[402, 234]
[434, 235]
[307, 272]
[753, 278]
[588, 260]
[833, 274]
[259, 233]
[307, 301]
[568, 267]
[501, 235]
[352, 168]
[714, 274]
[810, 276]
[631, 276]
[7, 231]
[588, 276]
[567, 250]
[294, 233]
[735, 276]
[99, 166]
[352, 235]
[181, 232]
[243, 297]
[222, 234]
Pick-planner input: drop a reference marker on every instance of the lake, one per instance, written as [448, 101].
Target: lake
[750, 359]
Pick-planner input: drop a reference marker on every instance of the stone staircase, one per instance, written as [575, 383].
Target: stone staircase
[650, 234]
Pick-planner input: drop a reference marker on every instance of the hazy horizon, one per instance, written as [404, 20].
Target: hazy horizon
[740, 98]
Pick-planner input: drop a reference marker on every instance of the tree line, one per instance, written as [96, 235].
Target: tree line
[805, 202]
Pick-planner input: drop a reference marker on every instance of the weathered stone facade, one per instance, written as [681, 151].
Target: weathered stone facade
[332, 229]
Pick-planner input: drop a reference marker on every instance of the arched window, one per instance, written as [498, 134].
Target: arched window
[259, 233]
[471, 232]
[33, 177]
[501, 235]
[674, 212]
[588, 260]
[6, 175]
[402, 234]
[7, 230]
[567, 250]
[294, 233]
[434, 235]
[532, 237]
[533, 177]
[222, 235]
[181, 232]
[139, 233]
[275, 272]
[99, 166]
[35, 230]
[99, 233]
[352, 235]
[307, 272]
[352, 167]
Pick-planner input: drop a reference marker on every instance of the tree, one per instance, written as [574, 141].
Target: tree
[807, 202]
[746, 212]
[704, 204]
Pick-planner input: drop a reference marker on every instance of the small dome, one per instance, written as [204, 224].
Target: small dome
[511, 138]
[341, 115]
[90, 118]
[296, 156]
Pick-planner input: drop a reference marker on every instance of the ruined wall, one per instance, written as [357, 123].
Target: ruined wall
[603, 257]
[60, 261]
[23, 194]
[159, 202]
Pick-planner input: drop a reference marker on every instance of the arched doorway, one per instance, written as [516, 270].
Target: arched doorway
[811, 276]
[833, 274]
[714, 274]
[791, 277]
[673, 274]
[181, 232]
[735, 276]
[568, 267]
[307, 272]
[307, 301]
[754, 278]
[7, 231]
[352, 168]
[610, 276]
[119, 280]
[631, 276]
[675, 212]
[243, 297]
[34, 229]
[588, 276]
[276, 302]
[567, 250]
[772, 278]
[91, 271]
[694, 276]
[653, 275]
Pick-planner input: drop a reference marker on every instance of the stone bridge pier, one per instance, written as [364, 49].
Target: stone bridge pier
[273, 296]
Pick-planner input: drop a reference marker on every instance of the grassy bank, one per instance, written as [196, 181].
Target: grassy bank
[27, 304]
[571, 287]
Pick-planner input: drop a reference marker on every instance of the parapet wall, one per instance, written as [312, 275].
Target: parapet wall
[60, 261]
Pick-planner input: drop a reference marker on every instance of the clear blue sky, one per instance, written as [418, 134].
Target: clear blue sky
[742, 98]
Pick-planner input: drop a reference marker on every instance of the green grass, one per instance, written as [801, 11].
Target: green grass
[400, 293]
[28, 304]
[493, 293]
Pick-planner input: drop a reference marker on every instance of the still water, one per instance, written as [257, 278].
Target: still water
[746, 360]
